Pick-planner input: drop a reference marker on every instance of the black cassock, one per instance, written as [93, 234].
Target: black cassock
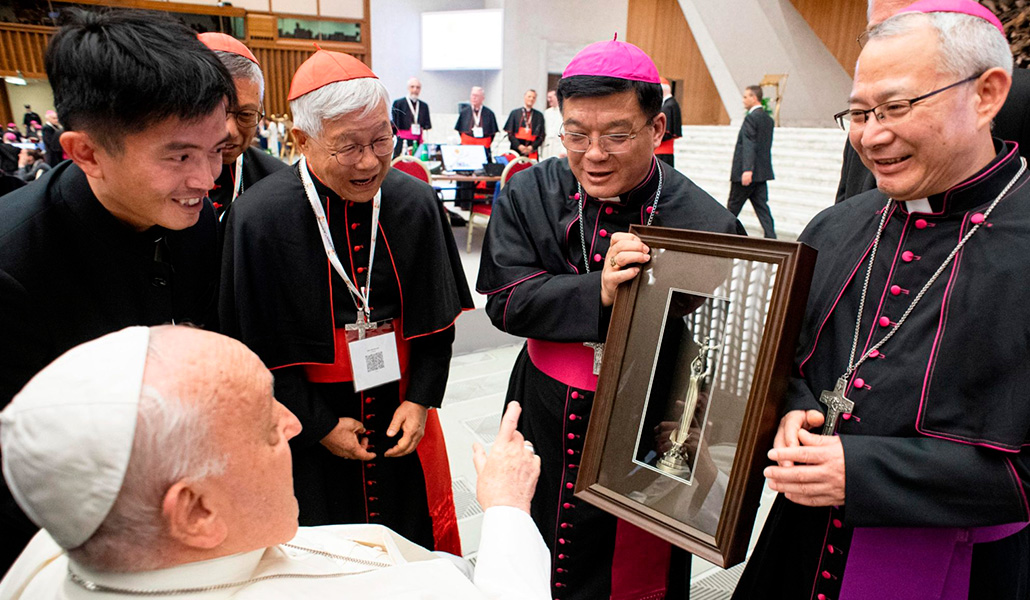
[282, 298]
[256, 166]
[466, 122]
[938, 437]
[70, 272]
[519, 118]
[533, 272]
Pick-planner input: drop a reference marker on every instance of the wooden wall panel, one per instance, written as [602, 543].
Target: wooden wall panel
[660, 29]
[838, 24]
[22, 48]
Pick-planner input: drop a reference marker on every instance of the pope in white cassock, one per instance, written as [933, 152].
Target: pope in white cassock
[157, 462]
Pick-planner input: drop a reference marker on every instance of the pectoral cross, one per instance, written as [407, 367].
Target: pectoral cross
[836, 405]
[598, 354]
[361, 325]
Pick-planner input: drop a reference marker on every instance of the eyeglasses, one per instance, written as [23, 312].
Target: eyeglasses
[246, 118]
[351, 154]
[612, 143]
[889, 111]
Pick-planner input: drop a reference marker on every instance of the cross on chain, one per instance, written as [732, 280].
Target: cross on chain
[598, 348]
[837, 404]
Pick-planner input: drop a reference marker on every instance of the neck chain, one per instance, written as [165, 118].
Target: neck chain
[852, 365]
[583, 200]
[99, 587]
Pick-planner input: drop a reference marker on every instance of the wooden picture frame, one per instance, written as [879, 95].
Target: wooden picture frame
[744, 297]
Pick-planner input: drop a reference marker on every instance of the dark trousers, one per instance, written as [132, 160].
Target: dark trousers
[668, 159]
[758, 193]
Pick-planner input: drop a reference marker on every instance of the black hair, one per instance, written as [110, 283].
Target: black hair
[116, 72]
[649, 95]
[757, 91]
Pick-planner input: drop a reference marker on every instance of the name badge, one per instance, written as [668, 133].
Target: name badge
[416, 129]
[373, 359]
[477, 132]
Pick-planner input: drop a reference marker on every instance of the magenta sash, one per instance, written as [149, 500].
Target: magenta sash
[915, 563]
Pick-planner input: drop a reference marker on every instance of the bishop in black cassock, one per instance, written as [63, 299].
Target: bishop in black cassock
[930, 497]
[243, 165]
[281, 297]
[525, 128]
[542, 285]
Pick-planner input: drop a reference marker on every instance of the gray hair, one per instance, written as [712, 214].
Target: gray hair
[362, 96]
[968, 45]
[172, 442]
[240, 67]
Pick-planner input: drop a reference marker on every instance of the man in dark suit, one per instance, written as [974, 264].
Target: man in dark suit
[411, 117]
[752, 161]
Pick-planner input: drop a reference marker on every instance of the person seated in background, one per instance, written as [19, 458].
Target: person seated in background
[31, 164]
[157, 462]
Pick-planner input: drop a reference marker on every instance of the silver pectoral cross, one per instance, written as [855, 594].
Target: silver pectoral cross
[361, 325]
[837, 404]
[598, 354]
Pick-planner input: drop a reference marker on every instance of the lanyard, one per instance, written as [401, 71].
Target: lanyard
[238, 183]
[525, 118]
[360, 299]
[414, 106]
[477, 116]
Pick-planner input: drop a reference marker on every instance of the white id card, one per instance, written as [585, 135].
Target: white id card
[416, 129]
[477, 132]
[373, 360]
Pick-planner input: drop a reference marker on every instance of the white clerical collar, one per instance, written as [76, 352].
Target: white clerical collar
[752, 109]
[227, 569]
[921, 205]
[413, 98]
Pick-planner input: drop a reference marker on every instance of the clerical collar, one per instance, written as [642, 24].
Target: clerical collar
[980, 188]
[326, 192]
[236, 567]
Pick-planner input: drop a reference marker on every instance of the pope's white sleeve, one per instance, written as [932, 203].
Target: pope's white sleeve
[512, 563]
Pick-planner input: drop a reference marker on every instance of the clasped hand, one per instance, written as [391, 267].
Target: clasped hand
[628, 252]
[346, 441]
[810, 467]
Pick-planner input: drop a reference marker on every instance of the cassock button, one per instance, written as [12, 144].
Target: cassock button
[837, 523]
[575, 395]
[573, 465]
[572, 436]
[859, 382]
[570, 485]
[361, 269]
[921, 223]
[561, 541]
[874, 354]
[826, 575]
[564, 525]
[568, 506]
[570, 451]
[358, 247]
[608, 210]
[597, 258]
[908, 256]
[821, 597]
[977, 219]
[353, 225]
[603, 233]
[649, 209]
[885, 321]
[572, 417]
[561, 557]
